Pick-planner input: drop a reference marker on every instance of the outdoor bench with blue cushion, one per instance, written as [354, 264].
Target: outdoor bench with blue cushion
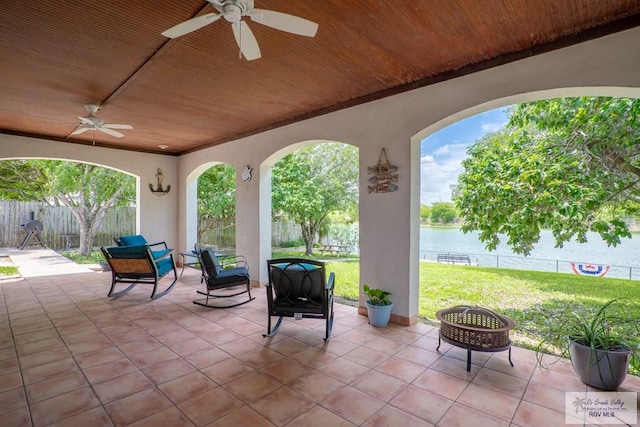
[139, 240]
[137, 264]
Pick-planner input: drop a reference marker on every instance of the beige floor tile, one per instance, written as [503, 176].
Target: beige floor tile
[461, 415]
[499, 381]
[490, 401]
[12, 399]
[316, 386]
[352, 405]
[63, 406]
[379, 385]
[166, 371]
[48, 370]
[96, 417]
[56, 385]
[400, 368]
[227, 370]
[366, 356]
[206, 357]
[186, 387]
[285, 370]
[116, 388]
[344, 370]
[244, 416]
[170, 417]
[282, 405]
[392, 416]
[109, 370]
[137, 406]
[529, 414]
[440, 383]
[421, 403]
[210, 406]
[252, 386]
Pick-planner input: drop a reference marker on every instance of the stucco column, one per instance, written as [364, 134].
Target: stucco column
[253, 221]
[385, 237]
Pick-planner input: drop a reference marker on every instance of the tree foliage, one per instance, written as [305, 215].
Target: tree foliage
[570, 165]
[312, 182]
[443, 213]
[87, 190]
[216, 197]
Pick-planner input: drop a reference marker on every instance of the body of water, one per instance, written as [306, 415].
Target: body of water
[622, 261]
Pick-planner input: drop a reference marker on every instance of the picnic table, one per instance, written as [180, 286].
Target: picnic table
[335, 250]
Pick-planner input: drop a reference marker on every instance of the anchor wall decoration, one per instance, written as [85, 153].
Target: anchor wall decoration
[159, 191]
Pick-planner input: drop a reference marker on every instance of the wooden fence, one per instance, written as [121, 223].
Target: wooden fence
[58, 221]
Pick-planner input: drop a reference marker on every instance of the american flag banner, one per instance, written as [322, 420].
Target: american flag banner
[589, 269]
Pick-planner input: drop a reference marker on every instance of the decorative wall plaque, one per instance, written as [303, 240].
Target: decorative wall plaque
[383, 175]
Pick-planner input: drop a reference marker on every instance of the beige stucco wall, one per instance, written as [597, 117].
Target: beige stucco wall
[389, 226]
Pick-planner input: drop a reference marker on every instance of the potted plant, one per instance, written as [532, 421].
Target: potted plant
[378, 306]
[599, 352]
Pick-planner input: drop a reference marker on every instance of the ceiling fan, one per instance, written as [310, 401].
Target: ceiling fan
[91, 122]
[233, 11]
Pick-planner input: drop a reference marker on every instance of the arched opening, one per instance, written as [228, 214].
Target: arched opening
[80, 205]
[541, 303]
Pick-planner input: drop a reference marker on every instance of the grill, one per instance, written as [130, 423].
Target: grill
[32, 229]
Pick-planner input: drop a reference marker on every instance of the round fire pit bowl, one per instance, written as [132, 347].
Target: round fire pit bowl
[475, 328]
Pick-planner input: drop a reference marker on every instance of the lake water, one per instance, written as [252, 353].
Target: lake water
[622, 261]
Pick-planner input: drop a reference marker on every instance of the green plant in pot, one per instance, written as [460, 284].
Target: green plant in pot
[379, 306]
[600, 346]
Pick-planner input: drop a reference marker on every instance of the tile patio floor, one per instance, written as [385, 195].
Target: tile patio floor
[69, 356]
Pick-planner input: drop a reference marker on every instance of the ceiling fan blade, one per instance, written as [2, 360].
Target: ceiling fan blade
[246, 41]
[191, 25]
[79, 130]
[117, 126]
[110, 132]
[284, 22]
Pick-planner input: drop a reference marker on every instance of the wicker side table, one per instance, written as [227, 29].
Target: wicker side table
[475, 328]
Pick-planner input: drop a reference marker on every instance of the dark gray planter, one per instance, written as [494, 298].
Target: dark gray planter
[605, 370]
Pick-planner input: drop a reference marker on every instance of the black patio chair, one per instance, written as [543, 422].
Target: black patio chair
[225, 272]
[298, 288]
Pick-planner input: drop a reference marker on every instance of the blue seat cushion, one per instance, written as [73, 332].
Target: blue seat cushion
[134, 240]
[164, 266]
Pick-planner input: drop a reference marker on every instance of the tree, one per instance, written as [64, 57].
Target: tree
[443, 213]
[216, 197]
[570, 165]
[87, 190]
[312, 182]
[425, 213]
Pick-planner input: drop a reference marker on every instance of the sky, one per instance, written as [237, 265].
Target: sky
[442, 153]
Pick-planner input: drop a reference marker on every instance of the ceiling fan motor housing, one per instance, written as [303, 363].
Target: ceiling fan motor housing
[233, 10]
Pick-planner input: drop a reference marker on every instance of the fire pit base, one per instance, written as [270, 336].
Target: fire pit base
[475, 328]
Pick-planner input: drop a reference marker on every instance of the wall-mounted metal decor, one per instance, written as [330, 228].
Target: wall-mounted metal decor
[159, 191]
[383, 175]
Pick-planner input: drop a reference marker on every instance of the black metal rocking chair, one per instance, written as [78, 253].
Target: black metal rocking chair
[223, 273]
[297, 288]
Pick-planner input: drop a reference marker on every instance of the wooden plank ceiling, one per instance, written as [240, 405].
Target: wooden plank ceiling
[194, 91]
